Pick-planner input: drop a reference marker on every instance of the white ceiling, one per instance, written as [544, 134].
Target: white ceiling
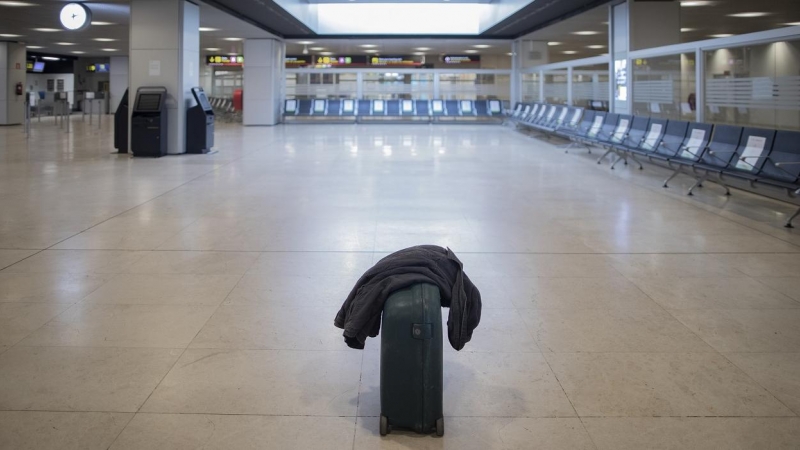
[401, 46]
[22, 21]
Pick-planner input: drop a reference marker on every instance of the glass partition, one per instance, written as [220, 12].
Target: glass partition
[665, 87]
[472, 86]
[590, 87]
[757, 85]
[389, 85]
[555, 87]
[301, 85]
[530, 87]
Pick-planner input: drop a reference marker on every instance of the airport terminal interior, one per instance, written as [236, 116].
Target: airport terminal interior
[189, 191]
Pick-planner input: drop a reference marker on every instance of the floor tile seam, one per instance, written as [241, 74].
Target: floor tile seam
[695, 205]
[764, 388]
[771, 289]
[127, 423]
[199, 329]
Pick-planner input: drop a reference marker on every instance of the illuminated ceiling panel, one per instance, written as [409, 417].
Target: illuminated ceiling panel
[400, 18]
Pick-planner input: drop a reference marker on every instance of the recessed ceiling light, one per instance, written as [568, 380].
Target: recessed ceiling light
[367, 45]
[51, 58]
[10, 35]
[423, 49]
[370, 51]
[470, 51]
[65, 43]
[109, 49]
[596, 47]
[305, 42]
[17, 4]
[569, 52]
[35, 47]
[213, 49]
[104, 39]
[697, 3]
[208, 29]
[585, 33]
[686, 30]
[100, 24]
[722, 35]
[233, 39]
[793, 24]
[749, 14]
[509, 54]
[326, 53]
[482, 46]
[419, 53]
[46, 30]
[552, 44]
[317, 49]
[78, 53]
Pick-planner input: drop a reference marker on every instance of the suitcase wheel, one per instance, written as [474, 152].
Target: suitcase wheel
[385, 428]
[439, 426]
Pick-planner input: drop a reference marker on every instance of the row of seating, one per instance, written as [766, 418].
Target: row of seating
[358, 110]
[758, 160]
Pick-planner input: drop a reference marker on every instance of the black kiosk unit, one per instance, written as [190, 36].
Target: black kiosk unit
[121, 125]
[149, 122]
[199, 124]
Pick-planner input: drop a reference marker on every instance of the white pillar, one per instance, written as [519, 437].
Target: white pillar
[118, 81]
[165, 50]
[264, 81]
[12, 72]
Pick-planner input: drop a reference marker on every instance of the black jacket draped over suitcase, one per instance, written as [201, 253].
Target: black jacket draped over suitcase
[360, 315]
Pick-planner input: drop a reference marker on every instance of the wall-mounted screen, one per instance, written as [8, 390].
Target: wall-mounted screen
[38, 66]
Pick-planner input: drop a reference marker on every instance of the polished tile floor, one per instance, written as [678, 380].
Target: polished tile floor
[188, 302]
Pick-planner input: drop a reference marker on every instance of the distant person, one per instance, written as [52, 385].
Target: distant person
[692, 101]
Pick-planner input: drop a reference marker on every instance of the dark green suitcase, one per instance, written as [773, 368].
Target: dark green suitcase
[411, 361]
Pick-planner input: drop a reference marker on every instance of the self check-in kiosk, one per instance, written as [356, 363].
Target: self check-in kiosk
[149, 122]
[200, 124]
[121, 125]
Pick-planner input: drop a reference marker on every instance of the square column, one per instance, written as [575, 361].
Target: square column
[12, 72]
[118, 81]
[165, 50]
[264, 81]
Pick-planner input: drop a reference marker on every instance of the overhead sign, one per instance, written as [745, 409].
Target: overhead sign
[297, 61]
[99, 68]
[461, 59]
[225, 60]
[395, 61]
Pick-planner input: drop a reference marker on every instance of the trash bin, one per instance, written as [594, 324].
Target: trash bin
[411, 361]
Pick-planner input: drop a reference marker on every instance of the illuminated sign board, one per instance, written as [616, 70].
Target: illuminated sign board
[461, 59]
[99, 68]
[395, 61]
[225, 60]
[297, 61]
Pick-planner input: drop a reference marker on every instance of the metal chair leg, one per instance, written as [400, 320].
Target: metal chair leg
[641, 167]
[698, 183]
[794, 216]
[602, 157]
[674, 174]
[619, 158]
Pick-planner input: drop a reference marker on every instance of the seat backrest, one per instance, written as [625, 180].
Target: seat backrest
[348, 107]
[654, 134]
[586, 121]
[723, 145]
[621, 131]
[319, 107]
[609, 124]
[392, 107]
[334, 108]
[754, 148]
[304, 107]
[290, 108]
[495, 107]
[466, 107]
[636, 132]
[694, 144]
[543, 111]
[673, 138]
[451, 107]
[378, 108]
[551, 114]
[526, 110]
[561, 116]
[422, 107]
[437, 107]
[597, 125]
[518, 109]
[785, 149]
[364, 107]
[574, 117]
[407, 107]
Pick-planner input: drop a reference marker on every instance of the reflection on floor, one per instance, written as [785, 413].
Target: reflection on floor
[188, 302]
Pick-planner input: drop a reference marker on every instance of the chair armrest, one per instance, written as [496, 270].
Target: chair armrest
[714, 152]
[788, 163]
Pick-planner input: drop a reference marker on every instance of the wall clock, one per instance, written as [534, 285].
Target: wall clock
[75, 16]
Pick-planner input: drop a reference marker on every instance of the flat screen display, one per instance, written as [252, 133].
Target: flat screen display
[38, 66]
[148, 102]
[202, 100]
